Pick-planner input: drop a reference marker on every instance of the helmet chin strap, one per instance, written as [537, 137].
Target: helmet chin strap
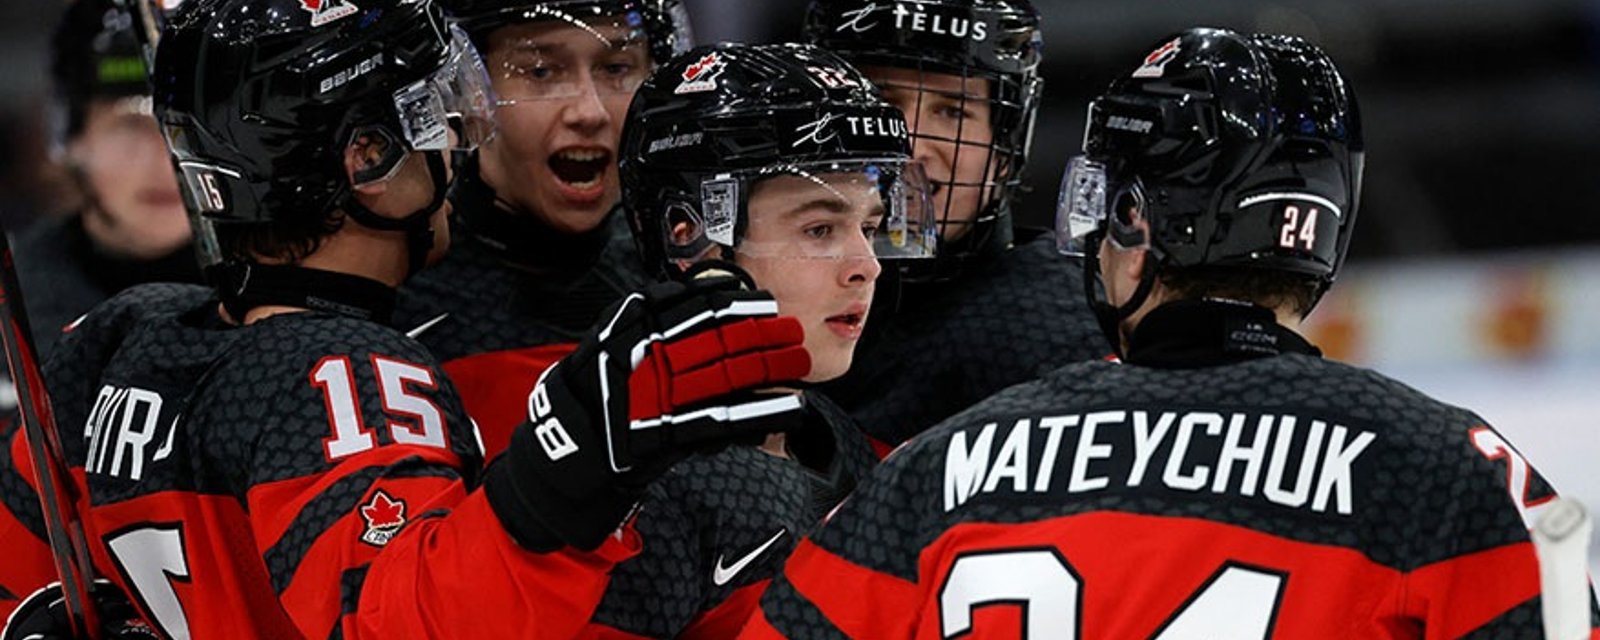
[418, 226]
[1111, 316]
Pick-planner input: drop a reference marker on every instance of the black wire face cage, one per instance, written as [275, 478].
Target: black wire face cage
[975, 166]
[933, 58]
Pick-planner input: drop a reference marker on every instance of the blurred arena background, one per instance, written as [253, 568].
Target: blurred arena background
[1475, 271]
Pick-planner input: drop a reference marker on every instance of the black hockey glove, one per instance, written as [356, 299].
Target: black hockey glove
[669, 371]
[43, 616]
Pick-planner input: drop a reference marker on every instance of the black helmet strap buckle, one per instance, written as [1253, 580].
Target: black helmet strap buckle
[244, 286]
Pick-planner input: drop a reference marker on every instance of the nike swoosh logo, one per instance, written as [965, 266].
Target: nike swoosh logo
[722, 574]
[424, 327]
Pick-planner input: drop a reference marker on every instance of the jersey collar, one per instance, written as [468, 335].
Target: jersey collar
[1200, 333]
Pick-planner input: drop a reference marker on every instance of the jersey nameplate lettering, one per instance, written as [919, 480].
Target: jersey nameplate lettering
[123, 424]
[1286, 460]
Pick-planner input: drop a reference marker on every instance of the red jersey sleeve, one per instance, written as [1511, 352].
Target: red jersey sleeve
[1491, 591]
[27, 566]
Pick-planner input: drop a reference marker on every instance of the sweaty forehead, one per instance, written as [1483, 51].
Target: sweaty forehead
[570, 36]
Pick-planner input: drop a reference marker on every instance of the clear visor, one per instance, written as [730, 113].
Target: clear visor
[454, 107]
[564, 56]
[450, 110]
[877, 208]
[1081, 206]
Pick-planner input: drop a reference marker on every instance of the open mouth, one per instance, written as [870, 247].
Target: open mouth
[848, 325]
[580, 169]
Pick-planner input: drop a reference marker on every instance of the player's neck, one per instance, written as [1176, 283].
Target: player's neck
[359, 251]
[353, 250]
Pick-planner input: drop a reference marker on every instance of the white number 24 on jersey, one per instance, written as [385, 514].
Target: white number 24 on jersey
[1238, 601]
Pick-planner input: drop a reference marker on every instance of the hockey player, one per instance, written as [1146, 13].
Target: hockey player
[537, 253]
[294, 468]
[985, 315]
[1225, 482]
[131, 227]
[779, 161]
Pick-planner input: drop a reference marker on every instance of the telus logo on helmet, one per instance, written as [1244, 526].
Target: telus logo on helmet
[817, 132]
[917, 20]
[855, 18]
[325, 11]
[943, 25]
[821, 131]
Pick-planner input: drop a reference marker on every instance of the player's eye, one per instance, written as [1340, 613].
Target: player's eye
[869, 231]
[819, 231]
[617, 68]
[538, 70]
[541, 72]
[953, 112]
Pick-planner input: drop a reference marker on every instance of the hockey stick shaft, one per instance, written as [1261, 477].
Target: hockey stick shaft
[57, 494]
[1561, 540]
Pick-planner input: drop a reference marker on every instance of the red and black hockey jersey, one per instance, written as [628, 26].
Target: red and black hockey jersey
[1227, 483]
[716, 529]
[490, 319]
[948, 345]
[306, 475]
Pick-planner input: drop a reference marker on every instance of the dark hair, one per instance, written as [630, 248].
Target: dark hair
[290, 238]
[1270, 288]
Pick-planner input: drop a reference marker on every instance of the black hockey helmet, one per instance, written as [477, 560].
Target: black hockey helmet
[664, 23]
[708, 126]
[1241, 151]
[998, 40]
[259, 98]
[94, 56]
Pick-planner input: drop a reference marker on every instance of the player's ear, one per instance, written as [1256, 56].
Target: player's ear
[369, 159]
[1134, 265]
[1136, 230]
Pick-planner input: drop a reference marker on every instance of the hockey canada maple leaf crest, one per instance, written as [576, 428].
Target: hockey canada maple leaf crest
[1155, 64]
[325, 11]
[702, 75]
[384, 516]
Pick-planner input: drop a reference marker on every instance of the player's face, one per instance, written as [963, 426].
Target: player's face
[950, 133]
[140, 212]
[564, 92]
[811, 248]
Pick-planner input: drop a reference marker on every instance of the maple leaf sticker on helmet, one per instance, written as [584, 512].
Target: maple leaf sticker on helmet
[384, 516]
[1155, 64]
[325, 11]
[702, 75]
